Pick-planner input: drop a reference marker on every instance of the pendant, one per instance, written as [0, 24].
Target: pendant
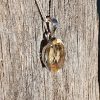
[53, 55]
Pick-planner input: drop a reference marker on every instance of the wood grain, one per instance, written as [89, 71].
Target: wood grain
[21, 74]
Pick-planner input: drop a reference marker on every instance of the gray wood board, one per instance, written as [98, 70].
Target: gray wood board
[21, 74]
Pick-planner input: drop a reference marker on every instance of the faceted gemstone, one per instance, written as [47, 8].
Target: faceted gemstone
[53, 55]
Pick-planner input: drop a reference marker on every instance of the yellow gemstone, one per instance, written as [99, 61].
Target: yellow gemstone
[54, 55]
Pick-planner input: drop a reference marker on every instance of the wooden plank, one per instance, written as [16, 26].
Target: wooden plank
[21, 74]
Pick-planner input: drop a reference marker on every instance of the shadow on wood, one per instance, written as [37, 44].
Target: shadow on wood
[98, 10]
[42, 45]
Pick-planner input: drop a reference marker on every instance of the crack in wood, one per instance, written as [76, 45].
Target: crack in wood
[9, 46]
[1, 47]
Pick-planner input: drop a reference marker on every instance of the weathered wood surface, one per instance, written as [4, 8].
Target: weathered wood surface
[21, 74]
